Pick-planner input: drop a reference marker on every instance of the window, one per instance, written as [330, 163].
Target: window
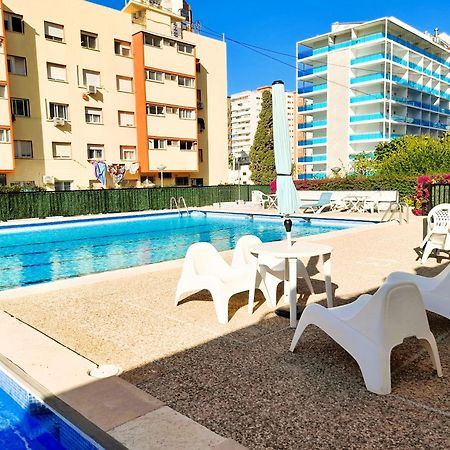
[171, 110]
[181, 181]
[156, 144]
[4, 135]
[124, 84]
[54, 32]
[95, 151]
[173, 143]
[186, 82]
[62, 185]
[185, 48]
[152, 75]
[197, 182]
[58, 110]
[155, 110]
[127, 152]
[13, 22]
[187, 114]
[147, 180]
[62, 150]
[17, 65]
[171, 77]
[56, 72]
[3, 91]
[23, 149]
[20, 107]
[200, 154]
[187, 145]
[198, 66]
[126, 119]
[93, 115]
[169, 42]
[91, 78]
[154, 41]
[89, 40]
[122, 48]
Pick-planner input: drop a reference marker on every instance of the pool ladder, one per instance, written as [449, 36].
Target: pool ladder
[179, 205]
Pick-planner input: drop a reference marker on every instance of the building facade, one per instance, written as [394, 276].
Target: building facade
[134, 88]
[366, 83]
[245, 108]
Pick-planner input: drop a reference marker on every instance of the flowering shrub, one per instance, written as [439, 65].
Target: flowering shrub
[422, 197]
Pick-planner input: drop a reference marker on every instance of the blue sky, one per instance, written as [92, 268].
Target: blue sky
[278, 25]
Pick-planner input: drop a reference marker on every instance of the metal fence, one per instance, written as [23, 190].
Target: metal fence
[438, 193]
[25, 205]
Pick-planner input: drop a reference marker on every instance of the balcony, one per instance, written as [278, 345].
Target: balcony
[312, 159]
[316, 141]
[366, 136]
[365, 78]
[366, 117]
[311, 71]
[312, 107]
[312, 175]
[316, 124]
[367, 58]
[367, 98]
[312, 88]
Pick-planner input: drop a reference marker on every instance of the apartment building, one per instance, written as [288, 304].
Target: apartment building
[245, 108]
[134, 88]
[366, 83]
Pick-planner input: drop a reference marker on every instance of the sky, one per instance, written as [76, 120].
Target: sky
[278, 25]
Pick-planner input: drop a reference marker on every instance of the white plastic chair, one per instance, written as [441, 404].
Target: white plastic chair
[204, 268]
[371, 326]
[438, 236]
[435, 290]
[260, 199]
[269, 272]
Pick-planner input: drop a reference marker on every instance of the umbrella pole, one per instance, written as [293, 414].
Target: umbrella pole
[288, 227]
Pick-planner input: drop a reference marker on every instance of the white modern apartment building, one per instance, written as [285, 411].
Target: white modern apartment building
[245, 110]
[365, 83]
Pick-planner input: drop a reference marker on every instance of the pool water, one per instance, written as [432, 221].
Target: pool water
[31, 254]
[21, 430]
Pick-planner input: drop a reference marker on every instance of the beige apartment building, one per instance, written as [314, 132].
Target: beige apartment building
[83, 83]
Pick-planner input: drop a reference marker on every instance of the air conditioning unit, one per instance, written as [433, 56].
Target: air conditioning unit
[48, 179]
[91, 89]
[58, 122]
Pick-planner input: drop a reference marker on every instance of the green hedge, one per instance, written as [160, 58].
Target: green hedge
[25, 205]
[405, 185]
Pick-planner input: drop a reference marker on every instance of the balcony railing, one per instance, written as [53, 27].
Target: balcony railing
[312, 175]
[317, 123]
[366, 136]
[367, 98]
[368, 58]
[312, 107]
[364, 78]
[312, 159]
[311, 71]
[361, 40]
[312, 142]
[312, 88]
[366, 117]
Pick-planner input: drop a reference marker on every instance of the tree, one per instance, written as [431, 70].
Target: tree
[385, 149]
[262, 156]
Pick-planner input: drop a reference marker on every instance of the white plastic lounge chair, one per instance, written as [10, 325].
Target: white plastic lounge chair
[269, 273]
[435, 290]
[260, 199]
[438, 237]
[204, 268]
[371, 326]
[323, 202]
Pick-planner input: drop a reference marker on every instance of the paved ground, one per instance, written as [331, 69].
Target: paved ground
[239, 380]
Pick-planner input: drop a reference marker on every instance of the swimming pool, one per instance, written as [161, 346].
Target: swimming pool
[27, 423]
[38, 253]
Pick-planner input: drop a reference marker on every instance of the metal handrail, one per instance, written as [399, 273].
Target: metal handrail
[182, 203]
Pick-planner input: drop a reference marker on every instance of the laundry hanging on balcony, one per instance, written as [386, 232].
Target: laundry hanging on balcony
[100, 171]
[117, 172]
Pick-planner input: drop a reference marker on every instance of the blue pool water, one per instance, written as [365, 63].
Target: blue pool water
[27, 423]
[39, 254]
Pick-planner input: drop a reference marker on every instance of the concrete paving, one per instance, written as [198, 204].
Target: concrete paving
[239, 380]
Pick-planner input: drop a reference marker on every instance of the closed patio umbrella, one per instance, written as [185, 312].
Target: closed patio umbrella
[288, 202]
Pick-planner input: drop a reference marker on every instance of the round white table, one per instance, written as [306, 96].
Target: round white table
[290, 254]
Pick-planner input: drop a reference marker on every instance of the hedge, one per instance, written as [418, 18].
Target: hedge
[25, 205]
[405, 185]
